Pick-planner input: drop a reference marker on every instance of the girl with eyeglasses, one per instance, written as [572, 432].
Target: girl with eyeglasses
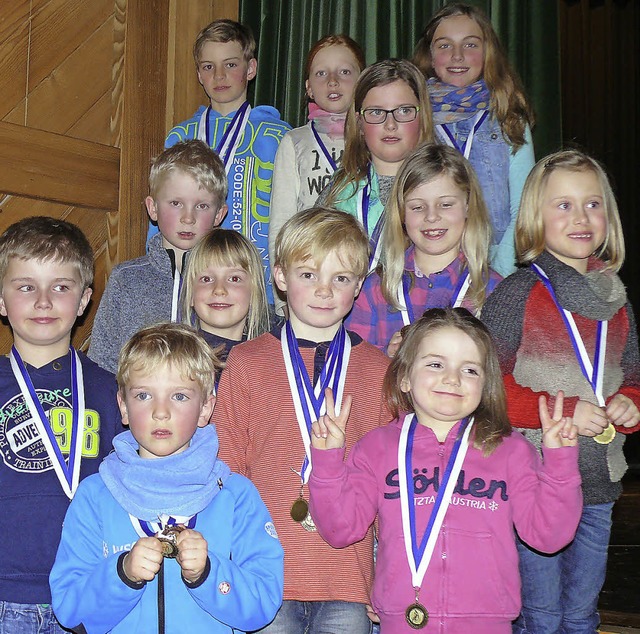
[480, 109]
[388, 117]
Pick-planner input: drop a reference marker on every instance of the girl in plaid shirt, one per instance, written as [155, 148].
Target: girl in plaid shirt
[434, 247]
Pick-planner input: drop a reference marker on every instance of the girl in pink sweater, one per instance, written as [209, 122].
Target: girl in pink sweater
[448, 483]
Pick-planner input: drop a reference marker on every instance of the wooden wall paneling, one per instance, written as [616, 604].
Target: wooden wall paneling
[59, 168]
[73, 87]
[143, 116]
[14, 42]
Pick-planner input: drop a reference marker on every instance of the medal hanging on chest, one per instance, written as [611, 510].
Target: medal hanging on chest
[68, 472]
[309, 401]
[166, 530]
[228, 144]
[419, 553]
[593, 372]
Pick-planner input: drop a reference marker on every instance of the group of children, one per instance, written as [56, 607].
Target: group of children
[401, 195]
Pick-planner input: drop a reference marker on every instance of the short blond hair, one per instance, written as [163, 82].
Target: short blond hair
[194, 158]
[224, 247]
[46, 239]
[176, 345]
[319, 231]
[530, 226]
[226, 31]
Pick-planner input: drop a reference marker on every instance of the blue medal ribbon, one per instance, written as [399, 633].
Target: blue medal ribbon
[323, 148]
[419, 553]
[449, 138]
[309, 401]
[68, 473]
[230, 140]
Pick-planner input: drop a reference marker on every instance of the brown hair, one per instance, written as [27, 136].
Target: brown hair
[356, 157]
[226, 31]
[509, 103]
[490, 418]
[43, 239]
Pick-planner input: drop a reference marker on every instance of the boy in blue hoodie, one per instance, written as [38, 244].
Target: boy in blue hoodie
[246, 138]
[165, 537]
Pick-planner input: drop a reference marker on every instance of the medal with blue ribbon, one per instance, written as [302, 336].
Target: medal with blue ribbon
[228, 144]
[408, 315]
[465, 149]
[323, 148]
[309, 401]
[362, 209]
[419, 553]
[166, 529]
[593, 372]
[68, 472]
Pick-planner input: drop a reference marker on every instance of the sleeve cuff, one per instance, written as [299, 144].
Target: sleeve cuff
[135, 585]
[203, 577]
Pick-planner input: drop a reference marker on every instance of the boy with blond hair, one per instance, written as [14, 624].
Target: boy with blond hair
[58, 410]
[246, 138]
[188, 187]
[274, 387]
[165, 538]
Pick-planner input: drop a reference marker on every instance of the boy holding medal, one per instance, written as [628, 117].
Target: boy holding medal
[58, 411]
[165, 538]
[187, 187]
[272, 390]
[246, 138]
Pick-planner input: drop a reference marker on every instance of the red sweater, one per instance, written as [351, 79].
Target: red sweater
[260, 438]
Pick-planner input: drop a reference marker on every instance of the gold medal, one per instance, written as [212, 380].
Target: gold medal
[606, 436]
[169, 540]
[299, 510]
[416, 616]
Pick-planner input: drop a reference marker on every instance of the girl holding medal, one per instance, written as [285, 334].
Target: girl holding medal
[223, 290]
[480, 109]
[388, 117]
[447, 481]
[564, 322]
[307, 156]
[434, 247]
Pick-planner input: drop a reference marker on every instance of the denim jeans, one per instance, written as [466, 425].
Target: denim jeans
[560, 592]
[320, 617]
[25, 618]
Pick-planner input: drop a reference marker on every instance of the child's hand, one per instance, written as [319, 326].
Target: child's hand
[144, 560]
[623, 411]
[394, 344]
[590, 419]
[328, 431]
[560, 430]
[372, 614]
[192, 554]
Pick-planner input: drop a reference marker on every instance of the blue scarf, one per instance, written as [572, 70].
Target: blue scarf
[181, 484]
[451, 103]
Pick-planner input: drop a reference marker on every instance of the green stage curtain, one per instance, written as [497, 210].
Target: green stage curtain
[286, 30]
